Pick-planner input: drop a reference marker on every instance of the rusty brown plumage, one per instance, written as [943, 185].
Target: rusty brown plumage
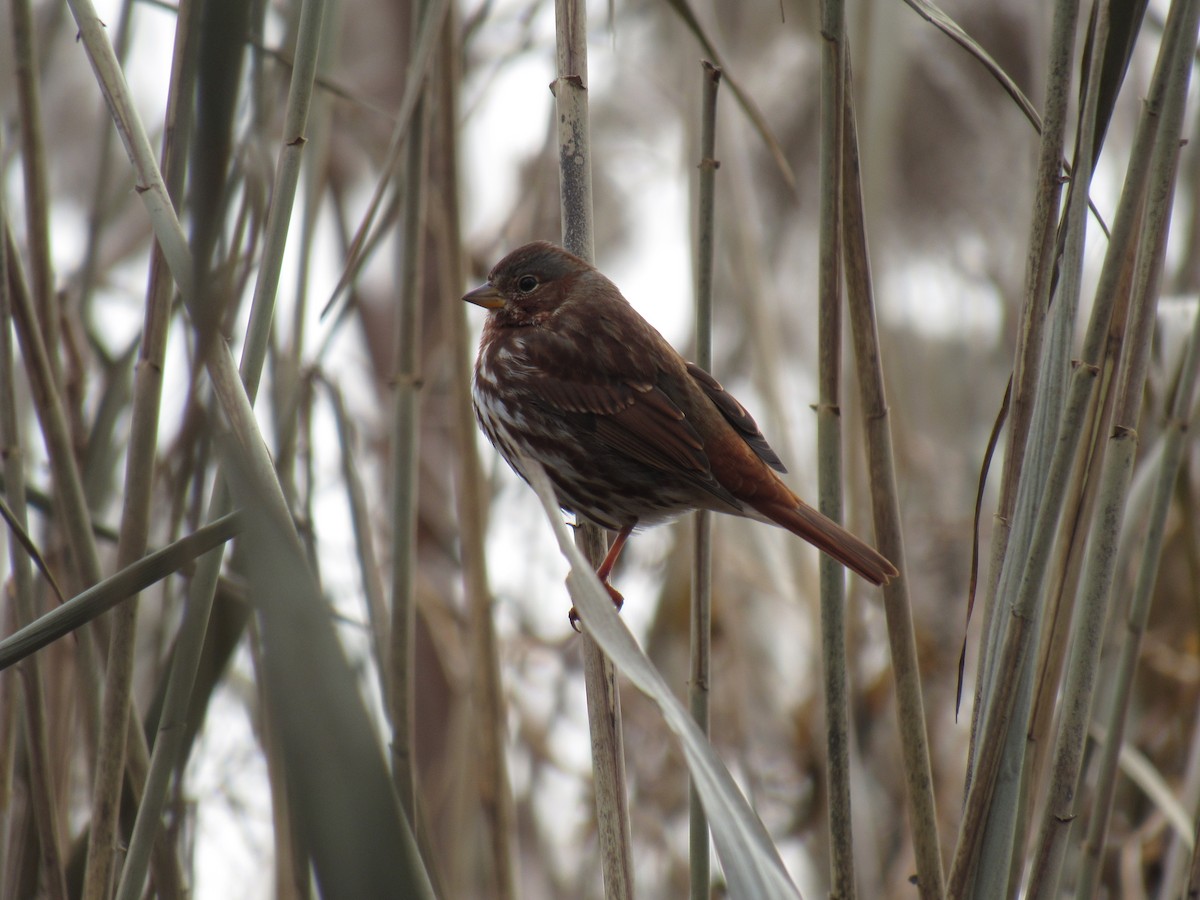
[628, 431]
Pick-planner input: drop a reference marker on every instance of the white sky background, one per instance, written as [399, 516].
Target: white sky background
[227, 777]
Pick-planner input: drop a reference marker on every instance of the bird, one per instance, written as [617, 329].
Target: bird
[629, 432]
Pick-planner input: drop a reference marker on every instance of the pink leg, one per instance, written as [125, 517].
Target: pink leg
[614, 551]
[605, 570]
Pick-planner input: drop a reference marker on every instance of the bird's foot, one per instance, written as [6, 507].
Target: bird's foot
[618, 601]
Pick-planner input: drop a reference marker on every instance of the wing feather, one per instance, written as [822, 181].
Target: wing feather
[737, 416]
[624, 396]
[653, 430]
[636, 419]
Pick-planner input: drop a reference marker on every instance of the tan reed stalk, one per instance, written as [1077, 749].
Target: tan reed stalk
[603, 699]
[1063, 801]
[236, 390]
[42, 796]
[1105, 335]
[34, 162]
[103, 845]
[829, 446]
[1003, 675]
[406, 424]
[885, 502]
[700, 678]
[489, 757]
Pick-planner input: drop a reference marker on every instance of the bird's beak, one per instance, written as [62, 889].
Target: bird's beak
[486, 296]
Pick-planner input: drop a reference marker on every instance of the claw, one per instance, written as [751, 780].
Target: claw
[617, 598]
[602, 573]
[618, 601]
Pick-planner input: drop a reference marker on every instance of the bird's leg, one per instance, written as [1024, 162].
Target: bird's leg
[610, 560]
[605, 569]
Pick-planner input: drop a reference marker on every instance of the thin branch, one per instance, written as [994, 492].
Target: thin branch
[575, 202]
[700, 681]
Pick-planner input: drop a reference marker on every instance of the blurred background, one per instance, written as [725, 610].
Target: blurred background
[948, 163]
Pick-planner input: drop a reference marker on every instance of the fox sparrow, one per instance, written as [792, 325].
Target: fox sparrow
[628, 431]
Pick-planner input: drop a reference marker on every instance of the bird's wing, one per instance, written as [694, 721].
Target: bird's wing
[735, 414]
[635, 418]
[617, 383]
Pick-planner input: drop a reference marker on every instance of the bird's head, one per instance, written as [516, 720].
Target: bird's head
[530, 284]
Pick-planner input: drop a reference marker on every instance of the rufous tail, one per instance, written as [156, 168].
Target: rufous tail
[829, 537]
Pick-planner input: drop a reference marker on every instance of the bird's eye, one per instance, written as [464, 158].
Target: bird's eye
[527, 283]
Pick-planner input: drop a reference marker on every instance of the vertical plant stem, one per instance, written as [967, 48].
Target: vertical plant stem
[1193, 878]
[608, 754]
[52, 417]
[829, 449]
[135, 515]
[1039, 262]
[1090, 619]
[11, 820]
[227, 382]
[41, 783]
[574, 137]
[575, 199]
[368, 558]
[1027, 365]
[1031, 499]
[405, 437]
[290, 382]
[75, 519]
[487, 689]
[169, 741]
[1055, 605]
[101, 191]
[142, 446]
[1105, 335]
[1137, 620]
[33, 159]
[700, 682]
[236, 391]
[885, 503]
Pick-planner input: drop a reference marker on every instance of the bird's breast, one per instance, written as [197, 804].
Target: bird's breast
[504, 358]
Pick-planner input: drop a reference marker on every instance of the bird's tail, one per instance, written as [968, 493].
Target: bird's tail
[830, 537]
